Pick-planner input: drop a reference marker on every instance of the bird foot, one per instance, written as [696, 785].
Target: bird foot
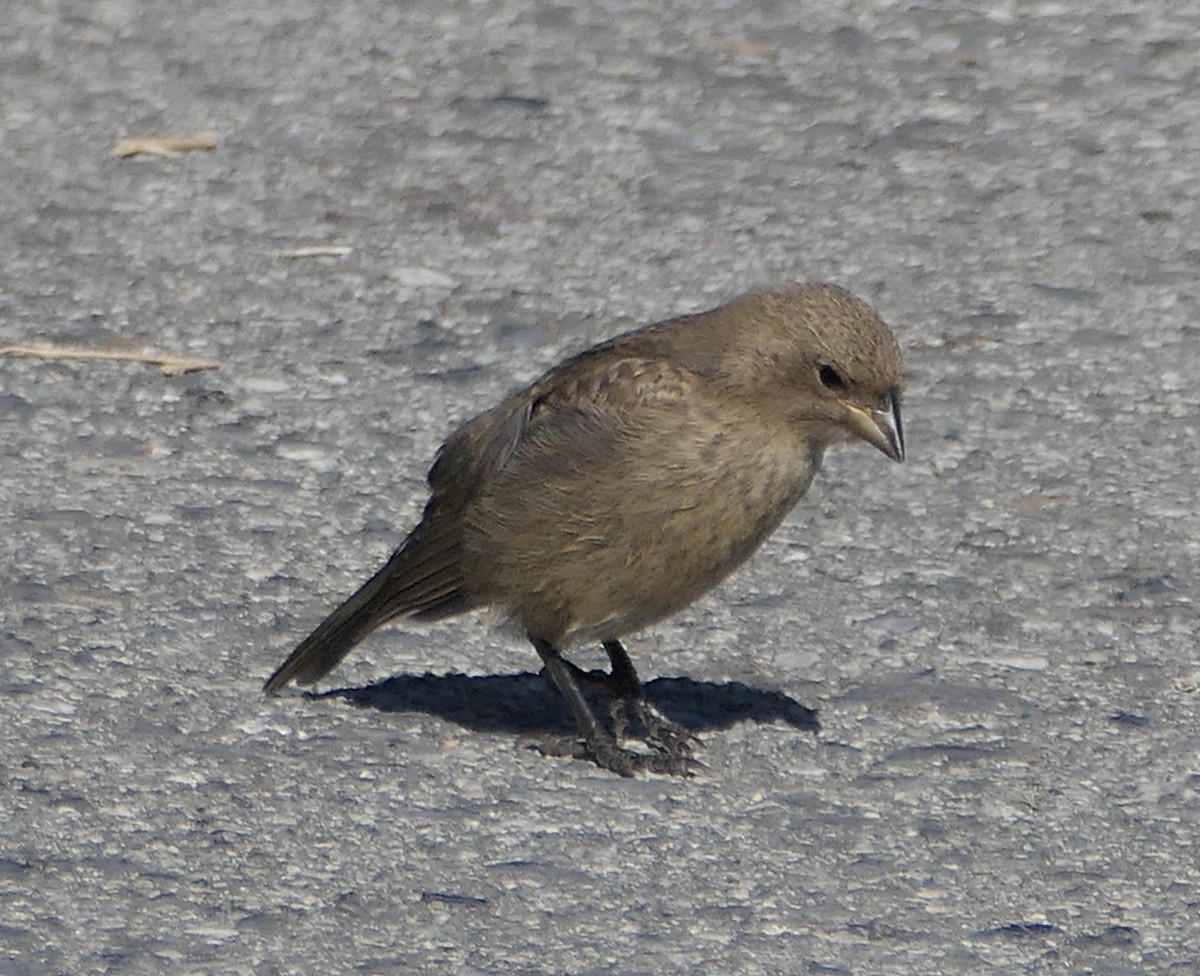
[607, 754]
[661, 734]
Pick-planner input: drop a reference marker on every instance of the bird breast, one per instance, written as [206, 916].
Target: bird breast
[626, 527]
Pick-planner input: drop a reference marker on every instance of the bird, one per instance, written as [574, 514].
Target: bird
[623, 484]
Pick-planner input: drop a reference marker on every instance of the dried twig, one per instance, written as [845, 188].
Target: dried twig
[166, 147]
[314, 251]
[169, 363]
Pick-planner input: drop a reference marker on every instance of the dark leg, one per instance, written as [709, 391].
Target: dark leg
[599, 744]
[621, 682]
[625, 682]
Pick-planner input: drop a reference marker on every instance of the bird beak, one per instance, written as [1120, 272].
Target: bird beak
[881, 428]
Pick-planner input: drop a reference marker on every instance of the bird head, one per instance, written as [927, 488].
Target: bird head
[825, 361]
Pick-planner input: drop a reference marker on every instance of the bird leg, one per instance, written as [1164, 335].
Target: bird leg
[600, 745]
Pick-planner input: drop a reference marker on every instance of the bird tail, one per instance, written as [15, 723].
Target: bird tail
[423, 580]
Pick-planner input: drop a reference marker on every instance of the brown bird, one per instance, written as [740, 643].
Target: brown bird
[627, 481]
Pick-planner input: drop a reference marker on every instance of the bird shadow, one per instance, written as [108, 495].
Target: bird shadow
[526, 703]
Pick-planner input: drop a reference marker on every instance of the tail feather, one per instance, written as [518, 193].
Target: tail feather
[422, 579]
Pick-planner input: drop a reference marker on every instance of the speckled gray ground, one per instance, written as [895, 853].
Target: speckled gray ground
[998, 637]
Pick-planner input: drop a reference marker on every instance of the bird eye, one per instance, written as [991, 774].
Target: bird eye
[830, 378]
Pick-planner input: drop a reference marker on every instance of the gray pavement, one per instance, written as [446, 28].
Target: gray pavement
[997, 637]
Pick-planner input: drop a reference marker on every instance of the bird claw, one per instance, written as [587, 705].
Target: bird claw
[607, 754]
[563, 747]
[661, 733]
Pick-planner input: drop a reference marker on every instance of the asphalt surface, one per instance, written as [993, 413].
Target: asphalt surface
[997, 638]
